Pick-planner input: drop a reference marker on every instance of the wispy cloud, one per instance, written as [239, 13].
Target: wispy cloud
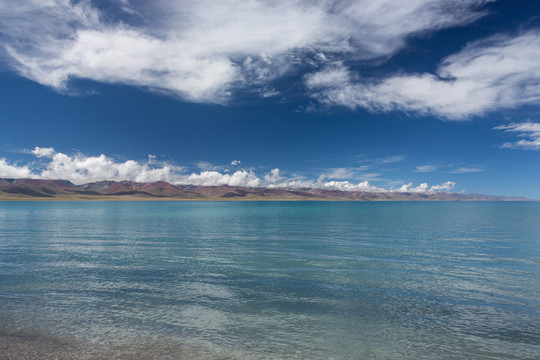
[465, 170]
[205, 166]
[392, 159]
[80, 169]
[371, 162]
[530, 131]
[449, 168]
[350, 173]
[495, 73]
[203, 50]
[426, 168]
[341, 173]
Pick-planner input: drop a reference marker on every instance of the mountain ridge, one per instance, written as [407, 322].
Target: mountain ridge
[39, 189]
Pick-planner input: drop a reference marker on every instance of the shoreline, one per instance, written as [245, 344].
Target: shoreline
[251, 200]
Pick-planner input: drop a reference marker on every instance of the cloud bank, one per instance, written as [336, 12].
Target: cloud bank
[81, 169]
[203, 50]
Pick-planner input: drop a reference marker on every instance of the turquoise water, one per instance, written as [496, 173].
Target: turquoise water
[272, 280]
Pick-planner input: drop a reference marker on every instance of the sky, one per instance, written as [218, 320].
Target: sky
[373, 95]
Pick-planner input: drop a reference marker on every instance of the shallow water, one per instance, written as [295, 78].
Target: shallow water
[270, 280]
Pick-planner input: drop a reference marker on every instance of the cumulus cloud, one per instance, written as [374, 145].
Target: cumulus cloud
[347, 186]
[495, 73]
[80, 169]
[425, 188]
[529, 131]
[276, 180]
[410, 188]
[446, 186]
[8, 170]
[202, 50]
[213, 178]
[43, 152]
[366, 186]
[274, 177]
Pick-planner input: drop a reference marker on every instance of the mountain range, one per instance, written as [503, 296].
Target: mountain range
[33, 189]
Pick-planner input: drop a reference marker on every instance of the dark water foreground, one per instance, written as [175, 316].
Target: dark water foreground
[272, 280]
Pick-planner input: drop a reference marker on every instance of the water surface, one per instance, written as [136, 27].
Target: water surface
[271, 280]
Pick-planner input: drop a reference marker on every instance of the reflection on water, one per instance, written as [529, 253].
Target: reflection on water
[270, 280]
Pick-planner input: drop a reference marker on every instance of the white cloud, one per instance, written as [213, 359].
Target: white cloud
[235, 162]
[467, 169]
[347, 186]
[458, 170]
[410, 188]
[426, 168]
[274, 177]
[201, 50]
[81, 169]
[214, 178]
[446, 186]
[341, 173]
[269, 92]
[13, 171]
[496, 73]
[332, 76]
[122, 55]
[425, 188]
[43, 152]
[208, 166]
[359, 172]
[530, 131]
[392, 159]
[275, 180]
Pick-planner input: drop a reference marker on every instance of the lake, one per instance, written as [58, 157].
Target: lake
[270, 280]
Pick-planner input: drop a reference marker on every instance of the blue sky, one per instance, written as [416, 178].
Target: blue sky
[354, 95]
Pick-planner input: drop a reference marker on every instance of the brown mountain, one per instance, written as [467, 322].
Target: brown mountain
[39, 188]
[155, 189]
[32, 189]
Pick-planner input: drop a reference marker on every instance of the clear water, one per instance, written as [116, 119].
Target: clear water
[272, 280]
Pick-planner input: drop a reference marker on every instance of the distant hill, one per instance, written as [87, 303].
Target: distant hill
[31, 189]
